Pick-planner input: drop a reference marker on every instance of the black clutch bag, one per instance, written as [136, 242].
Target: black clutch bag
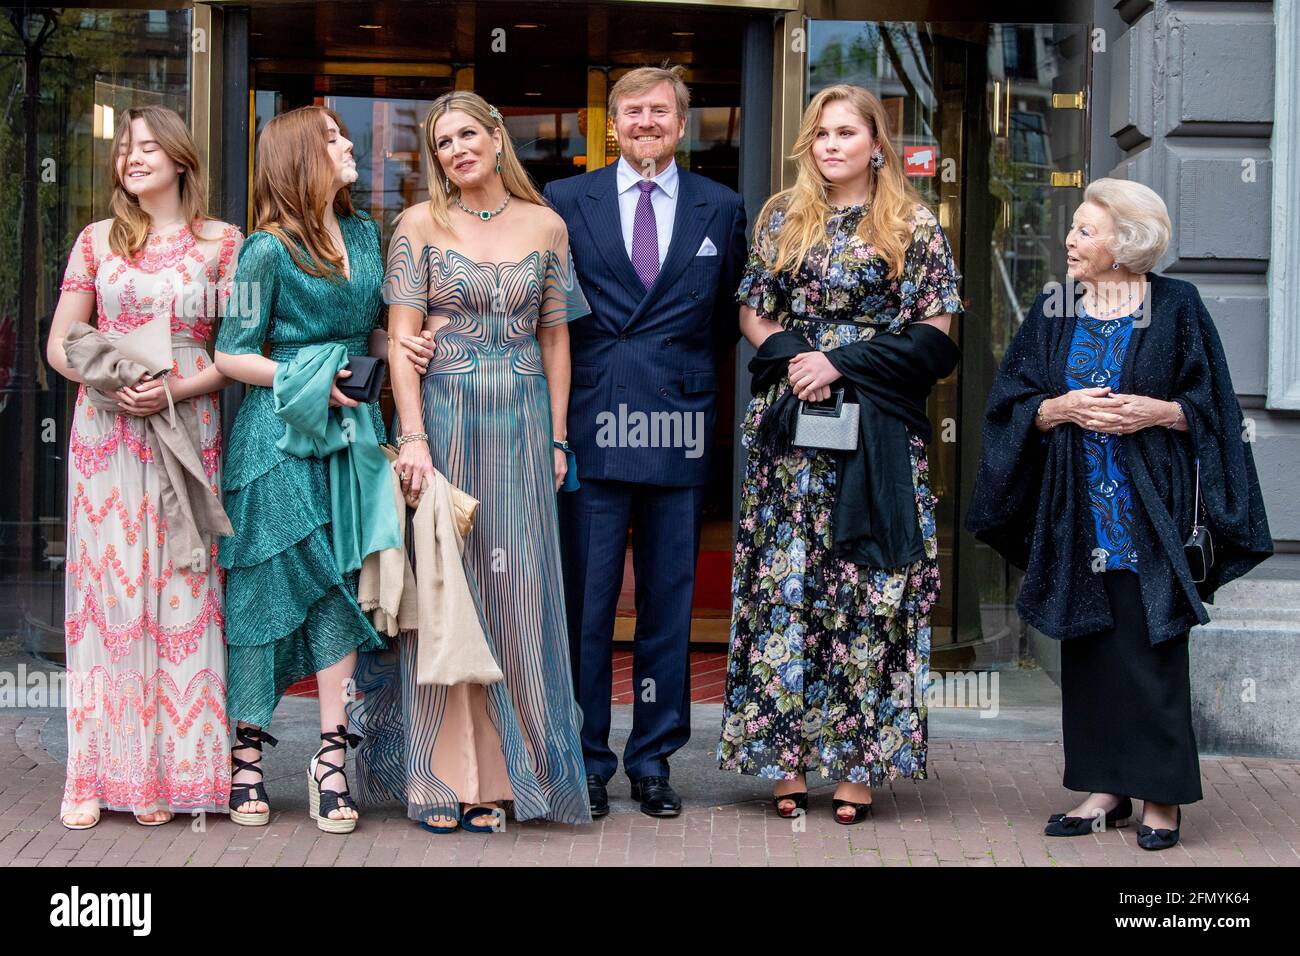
[1199, 548]
[366, 380]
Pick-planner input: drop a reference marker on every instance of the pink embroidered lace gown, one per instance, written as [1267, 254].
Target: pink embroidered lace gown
[147, 726]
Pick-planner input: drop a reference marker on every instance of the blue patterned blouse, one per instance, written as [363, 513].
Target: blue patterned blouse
[1095, 359]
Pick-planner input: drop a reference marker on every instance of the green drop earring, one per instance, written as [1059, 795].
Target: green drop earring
[498, 162]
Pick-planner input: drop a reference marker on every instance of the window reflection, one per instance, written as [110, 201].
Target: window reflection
[980, 95]
[94, 65]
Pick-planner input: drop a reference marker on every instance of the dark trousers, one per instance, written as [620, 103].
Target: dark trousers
[665, 523]
[1126, 707]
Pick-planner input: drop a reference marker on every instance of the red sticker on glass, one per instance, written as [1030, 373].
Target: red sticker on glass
[919, 160]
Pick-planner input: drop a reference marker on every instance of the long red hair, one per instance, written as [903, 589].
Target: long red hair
[291, 187]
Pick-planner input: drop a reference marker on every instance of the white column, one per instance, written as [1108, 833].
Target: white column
[1284, 265]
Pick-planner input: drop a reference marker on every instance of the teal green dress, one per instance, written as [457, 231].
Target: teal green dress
[290, 611]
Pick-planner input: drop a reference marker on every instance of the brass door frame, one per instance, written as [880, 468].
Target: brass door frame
[790, 23]
[206, 83]
[788, 69]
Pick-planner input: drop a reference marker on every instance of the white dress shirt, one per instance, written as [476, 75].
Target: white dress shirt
[663, 199]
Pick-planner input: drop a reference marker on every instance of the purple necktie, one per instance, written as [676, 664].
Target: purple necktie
[645, 237]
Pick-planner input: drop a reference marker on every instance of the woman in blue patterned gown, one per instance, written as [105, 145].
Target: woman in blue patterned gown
[484, 266]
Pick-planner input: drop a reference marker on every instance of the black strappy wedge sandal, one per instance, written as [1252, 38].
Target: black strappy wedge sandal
[242, 793]
[323, 802]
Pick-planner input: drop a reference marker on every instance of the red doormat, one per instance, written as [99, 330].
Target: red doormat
[713, 581]
[708, 675]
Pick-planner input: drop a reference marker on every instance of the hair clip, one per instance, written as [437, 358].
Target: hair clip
[495, 114]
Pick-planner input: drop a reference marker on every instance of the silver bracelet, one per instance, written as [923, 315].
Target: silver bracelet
[413, 436]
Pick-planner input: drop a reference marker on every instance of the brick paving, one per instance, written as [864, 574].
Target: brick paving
[984, 805]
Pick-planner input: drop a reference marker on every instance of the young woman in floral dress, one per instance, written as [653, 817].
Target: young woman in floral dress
[147, 727]
[818, 643]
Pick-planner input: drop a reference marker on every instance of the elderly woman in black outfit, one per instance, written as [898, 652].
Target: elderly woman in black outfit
[1106, 416]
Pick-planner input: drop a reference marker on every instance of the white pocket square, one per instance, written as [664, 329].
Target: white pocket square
[707, 248]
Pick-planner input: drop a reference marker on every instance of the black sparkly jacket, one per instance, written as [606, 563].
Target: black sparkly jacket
[1031, 502]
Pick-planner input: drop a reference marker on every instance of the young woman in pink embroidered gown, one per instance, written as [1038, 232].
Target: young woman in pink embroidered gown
[147, 727]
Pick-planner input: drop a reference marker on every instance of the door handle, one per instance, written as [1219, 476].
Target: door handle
[1068, 101]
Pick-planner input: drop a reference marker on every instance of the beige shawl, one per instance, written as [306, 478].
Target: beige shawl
[189, 505]
[433, 600]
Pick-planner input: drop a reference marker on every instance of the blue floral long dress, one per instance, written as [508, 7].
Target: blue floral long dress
[819, 644]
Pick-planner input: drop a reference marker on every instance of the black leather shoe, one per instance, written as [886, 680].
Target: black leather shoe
[657, 798]
[598, 796]
[1151, 839]
[1058, 824]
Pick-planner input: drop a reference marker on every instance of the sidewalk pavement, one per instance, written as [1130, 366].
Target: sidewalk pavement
[992, 785]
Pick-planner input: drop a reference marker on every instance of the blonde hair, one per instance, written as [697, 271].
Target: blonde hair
[645, 78]
[1142, 227]
[441, 189]
[889, 220]
[291, 187]
[130, 226]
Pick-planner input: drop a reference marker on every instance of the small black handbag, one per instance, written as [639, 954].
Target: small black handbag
[366, 380]
[1199, 549]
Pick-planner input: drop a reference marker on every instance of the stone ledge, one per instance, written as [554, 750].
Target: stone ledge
[1245, 672]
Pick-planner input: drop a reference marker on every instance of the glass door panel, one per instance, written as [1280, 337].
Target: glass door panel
[990, 121]
[364, 61]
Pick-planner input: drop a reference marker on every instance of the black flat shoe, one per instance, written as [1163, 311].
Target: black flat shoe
[1151, 839]
[799, 798]
[1058, 824]
[598, 795]
[860, 812]
[657, 798]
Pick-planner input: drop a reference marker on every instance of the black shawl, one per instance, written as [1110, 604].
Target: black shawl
[1031, 502]
[890, 376]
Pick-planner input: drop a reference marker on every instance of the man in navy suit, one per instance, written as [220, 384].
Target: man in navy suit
[658, 252]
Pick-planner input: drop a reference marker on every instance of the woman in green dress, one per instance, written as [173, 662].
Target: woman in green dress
[307, 279]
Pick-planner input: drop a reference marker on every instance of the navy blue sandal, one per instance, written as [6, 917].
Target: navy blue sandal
[497, 813]
[426, 825]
